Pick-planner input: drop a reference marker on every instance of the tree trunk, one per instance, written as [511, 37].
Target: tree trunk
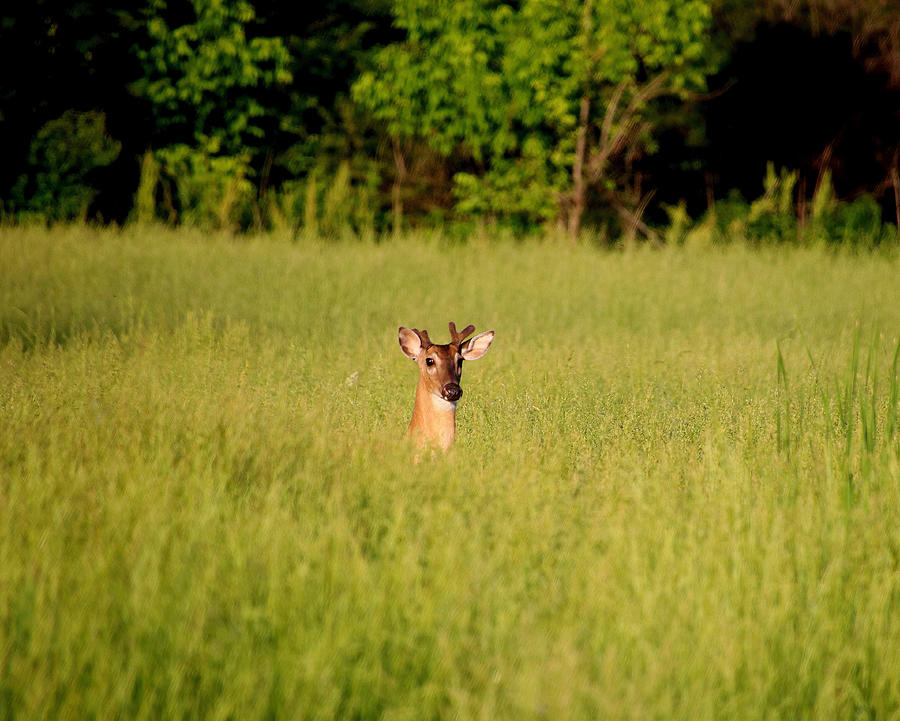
[578, 189]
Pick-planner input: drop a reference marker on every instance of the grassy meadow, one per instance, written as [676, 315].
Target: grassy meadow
[675, 492]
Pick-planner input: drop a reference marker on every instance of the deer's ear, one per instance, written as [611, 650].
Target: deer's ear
[410, 343]
[476, 347]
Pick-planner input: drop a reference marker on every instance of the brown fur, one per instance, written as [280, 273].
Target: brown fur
[437, 392]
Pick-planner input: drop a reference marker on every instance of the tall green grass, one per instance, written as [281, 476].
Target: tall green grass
[674, 494]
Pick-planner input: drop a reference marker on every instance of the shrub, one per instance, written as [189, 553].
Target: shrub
[63, 154]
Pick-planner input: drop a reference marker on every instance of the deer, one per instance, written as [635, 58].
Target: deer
[437, 393]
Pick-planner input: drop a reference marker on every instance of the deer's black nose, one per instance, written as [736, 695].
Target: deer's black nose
[451, 392]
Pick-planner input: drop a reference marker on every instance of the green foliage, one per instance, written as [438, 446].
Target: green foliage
[679, 223]
[204, 80]
[522, 115]
[516, 191]
[776, 217]
[208, 508]
[503, 87]
[63, 154]
[332, 205]
[212, 190]
[328, 42]
[772, 216]
[443, 82]
[854, 222]
[200, 77]
[144, 211]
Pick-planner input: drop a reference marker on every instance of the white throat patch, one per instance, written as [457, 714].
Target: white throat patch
[440, 404]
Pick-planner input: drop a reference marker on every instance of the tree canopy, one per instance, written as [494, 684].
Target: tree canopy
[530, 114]
[540, 99]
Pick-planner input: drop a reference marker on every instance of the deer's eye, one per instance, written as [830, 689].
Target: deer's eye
[429, 361]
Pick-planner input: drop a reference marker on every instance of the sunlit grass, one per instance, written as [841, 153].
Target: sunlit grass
[674, 494]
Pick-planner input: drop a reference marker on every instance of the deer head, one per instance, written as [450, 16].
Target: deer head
[440, 369]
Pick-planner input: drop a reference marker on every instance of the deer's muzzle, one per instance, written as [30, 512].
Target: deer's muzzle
[451, 392]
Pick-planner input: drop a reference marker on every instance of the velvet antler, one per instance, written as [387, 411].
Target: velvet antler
[457, 338]
[423, 336]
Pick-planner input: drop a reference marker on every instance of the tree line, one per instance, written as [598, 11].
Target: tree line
[368, 116]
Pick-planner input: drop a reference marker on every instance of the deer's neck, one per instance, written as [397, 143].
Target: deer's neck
[433, 419]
